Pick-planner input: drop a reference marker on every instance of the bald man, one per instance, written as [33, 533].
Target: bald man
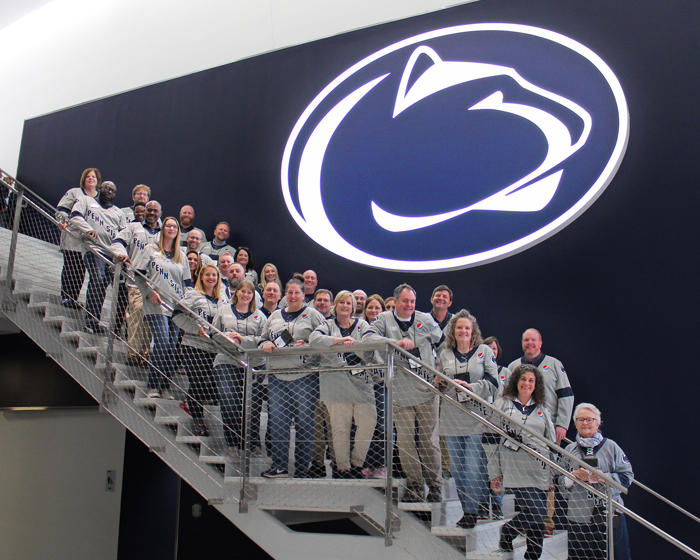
[558, 393]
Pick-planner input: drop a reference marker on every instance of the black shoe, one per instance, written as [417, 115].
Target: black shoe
[356, 473]
[483, 511]
[505, 542]
[496, 511]
[434, 495]
[412, 494]
[200, 430]
[275, 473]
[467, 522]
[317, 471]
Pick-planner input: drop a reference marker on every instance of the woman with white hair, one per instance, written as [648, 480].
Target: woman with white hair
[586, 514]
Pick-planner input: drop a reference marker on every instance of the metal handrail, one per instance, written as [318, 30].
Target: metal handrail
[20, 190]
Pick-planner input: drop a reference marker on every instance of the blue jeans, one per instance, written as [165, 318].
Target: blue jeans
[468, 467]
[164, 360]
[100, 277]
[292, 400]
[375, 455]
[229, 384]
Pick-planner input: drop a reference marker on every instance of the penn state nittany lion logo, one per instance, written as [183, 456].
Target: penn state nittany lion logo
[455, 147]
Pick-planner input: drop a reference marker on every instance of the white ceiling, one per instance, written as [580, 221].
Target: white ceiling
[12, 10]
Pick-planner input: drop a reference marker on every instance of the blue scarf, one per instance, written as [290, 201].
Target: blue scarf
[589, 441]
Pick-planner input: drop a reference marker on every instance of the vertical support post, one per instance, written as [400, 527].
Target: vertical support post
[247, 414]
[389, 444]
[610, 513]
[19, 199]
[109, 370]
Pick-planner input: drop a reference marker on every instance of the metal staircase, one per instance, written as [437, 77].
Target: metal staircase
[265, 509]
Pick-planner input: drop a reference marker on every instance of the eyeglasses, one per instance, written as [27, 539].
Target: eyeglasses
[585, 420]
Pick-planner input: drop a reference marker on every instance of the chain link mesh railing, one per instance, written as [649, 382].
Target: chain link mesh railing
[371, 430]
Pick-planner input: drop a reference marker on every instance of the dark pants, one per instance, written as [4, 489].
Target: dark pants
[198, 365]
[72, 275]
[100, 277]
[230, 381]
[375, 455]
[589, 540]
[530, 508]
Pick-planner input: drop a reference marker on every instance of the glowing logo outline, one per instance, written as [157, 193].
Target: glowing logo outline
[322, 231]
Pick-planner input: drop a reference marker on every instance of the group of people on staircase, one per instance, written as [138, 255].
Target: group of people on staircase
[200, 307]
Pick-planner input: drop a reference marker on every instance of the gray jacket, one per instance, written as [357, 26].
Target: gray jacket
[354, 386]
[518, 468]
[408, 390]
[480, 371]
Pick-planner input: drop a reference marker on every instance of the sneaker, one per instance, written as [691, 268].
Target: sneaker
[380, 472]
[135, 361]
[153, 394]
[467, 521]
[275, 473]
[68, 302]
[317, 471]
[166, 394]
[483, 511]
[233, 453]
[505, 543]
[368, 472]
[200, 430]
[434, 495]
[412, 494]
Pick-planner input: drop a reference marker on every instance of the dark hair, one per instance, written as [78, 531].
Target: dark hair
[374, 297]
[511, 388]
[442, 288]
[139, 204]
[195, 273]
[488, 340]
[248, 266]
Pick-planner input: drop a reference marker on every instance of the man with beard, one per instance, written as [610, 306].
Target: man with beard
[187, 224]
[99, 221]
[129, 246]
[219, 245]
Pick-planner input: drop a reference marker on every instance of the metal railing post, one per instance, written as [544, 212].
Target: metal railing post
[110, 370]
[609, 514]
[389, 444]
[247, 415]
[19, 199]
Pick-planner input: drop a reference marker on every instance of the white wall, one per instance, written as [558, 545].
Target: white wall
[53, 466]
[72, 51]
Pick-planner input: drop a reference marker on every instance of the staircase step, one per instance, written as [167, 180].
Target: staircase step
[554, 548]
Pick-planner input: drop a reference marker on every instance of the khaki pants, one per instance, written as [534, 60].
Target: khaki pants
[424, 461]
[342, 415]
[138, 333]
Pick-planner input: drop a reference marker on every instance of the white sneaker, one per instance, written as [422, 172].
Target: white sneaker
[153, 394]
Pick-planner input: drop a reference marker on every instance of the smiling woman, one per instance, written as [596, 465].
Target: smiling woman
[523, 404]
